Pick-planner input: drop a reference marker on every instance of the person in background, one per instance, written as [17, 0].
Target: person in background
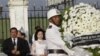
[39, 45]
[36, 28]
[15, 46]
[21, 35]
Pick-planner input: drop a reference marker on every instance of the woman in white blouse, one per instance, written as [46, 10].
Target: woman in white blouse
[39, 45]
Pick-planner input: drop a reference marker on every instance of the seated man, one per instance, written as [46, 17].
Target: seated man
[15, 46]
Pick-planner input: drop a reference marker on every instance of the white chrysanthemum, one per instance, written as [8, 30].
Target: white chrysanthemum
[84, 19]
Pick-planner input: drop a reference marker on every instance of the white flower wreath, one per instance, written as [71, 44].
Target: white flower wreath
[82, 19]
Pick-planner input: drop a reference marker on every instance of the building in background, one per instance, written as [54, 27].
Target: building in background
[54, 2]
[18, 13]
[95, 3]
[57, 3]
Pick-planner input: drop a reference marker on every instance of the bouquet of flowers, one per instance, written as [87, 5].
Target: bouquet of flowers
[82, 19]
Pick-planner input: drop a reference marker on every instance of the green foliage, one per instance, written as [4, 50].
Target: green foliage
[95, 51]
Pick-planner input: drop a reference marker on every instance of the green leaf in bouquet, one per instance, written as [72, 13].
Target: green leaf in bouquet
[94, 51]
[68, 10]
[67, 44]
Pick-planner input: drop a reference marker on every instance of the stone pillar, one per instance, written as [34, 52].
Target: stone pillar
[18, 12]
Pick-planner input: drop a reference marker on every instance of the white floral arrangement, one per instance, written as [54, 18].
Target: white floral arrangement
[82, 19]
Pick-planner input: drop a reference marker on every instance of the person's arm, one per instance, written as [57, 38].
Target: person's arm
[25, 48]
[46, 50]
[33, 49]
[6, 48]
[56, 39]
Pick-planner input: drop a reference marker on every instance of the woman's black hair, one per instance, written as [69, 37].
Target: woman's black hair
[37, 31]
[23, 34]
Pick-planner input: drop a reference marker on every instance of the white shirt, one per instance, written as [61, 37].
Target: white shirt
[54, 39]
[39, 47]
[15, 40]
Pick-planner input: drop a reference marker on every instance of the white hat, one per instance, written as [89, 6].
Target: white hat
[53, 12]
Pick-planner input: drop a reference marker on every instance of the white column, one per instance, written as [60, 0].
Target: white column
[18, 12]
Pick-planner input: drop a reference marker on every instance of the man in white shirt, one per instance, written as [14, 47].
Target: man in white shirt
[56, 46]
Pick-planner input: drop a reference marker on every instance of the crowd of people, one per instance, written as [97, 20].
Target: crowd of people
[44, 43]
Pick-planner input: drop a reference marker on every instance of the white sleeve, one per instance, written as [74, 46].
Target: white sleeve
[56, 39]
[33, 49]
[33, 39]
